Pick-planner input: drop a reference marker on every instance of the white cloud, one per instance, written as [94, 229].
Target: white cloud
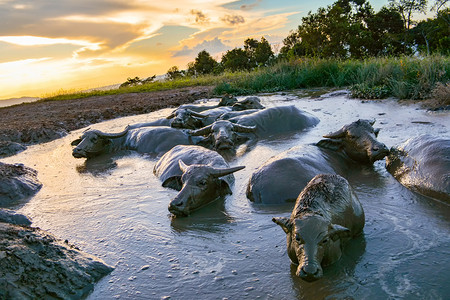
[213, 47]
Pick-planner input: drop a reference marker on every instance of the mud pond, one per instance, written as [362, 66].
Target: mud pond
[117, 210]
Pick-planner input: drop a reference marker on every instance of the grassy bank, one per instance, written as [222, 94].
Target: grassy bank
[372, 78]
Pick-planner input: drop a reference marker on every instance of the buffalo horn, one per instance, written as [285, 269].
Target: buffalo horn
[243, 129]
[196, 114]
[183, 166]
[222, 172]
[335, 135]
[76, 142]
[114, 135]
[202, 131]
[171, 116]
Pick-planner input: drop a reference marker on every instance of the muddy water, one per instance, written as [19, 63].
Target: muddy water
[116, 209]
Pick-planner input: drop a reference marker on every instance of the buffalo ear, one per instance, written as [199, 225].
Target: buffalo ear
[336, 232]
[76, 142]
[183, 166]
[284, 222]
[332, 144]
[376, 131]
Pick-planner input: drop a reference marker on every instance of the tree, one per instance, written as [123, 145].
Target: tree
[259, 53]
[250, 46]
[433, 35]
[407, 8]
[174, 73]
[204, 63]
[263, 53]
[386, 30]
[236, 60]
[335, 31]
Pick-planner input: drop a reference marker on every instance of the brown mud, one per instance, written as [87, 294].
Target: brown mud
[35, 265]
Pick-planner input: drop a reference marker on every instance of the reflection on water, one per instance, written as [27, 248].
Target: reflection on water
[209, 218]
[114, 207]
[98, 165]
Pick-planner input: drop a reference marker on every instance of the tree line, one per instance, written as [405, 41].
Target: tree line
[345, 29]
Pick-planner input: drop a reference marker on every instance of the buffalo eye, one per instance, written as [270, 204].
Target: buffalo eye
[298, 238]
[94, 139]
[324, 241]
[202, 183]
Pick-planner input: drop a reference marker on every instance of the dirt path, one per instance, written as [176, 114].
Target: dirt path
[39, 122]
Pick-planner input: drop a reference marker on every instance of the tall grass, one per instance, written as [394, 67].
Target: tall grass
[403, 77]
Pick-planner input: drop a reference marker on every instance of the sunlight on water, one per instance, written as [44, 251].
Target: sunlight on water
[115, 208]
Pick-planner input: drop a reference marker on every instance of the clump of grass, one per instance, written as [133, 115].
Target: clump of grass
[363, 90]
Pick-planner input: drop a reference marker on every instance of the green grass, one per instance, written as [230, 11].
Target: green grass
[372, 78]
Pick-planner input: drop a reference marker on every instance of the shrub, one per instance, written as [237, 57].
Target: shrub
[441, 94]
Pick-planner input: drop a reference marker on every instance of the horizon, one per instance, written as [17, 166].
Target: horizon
[72, 45]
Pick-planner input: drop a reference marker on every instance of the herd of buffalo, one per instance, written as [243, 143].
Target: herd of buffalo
[196, 143]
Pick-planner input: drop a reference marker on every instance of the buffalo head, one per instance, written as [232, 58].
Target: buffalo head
[248, 103]
[227, 100]
[312, 242]
[94, 142]
[222, 134]
[186, 118]
[358, 140]
[201, 184]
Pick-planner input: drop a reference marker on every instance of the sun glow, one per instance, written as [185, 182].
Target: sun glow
[37, 41]
[81, 45]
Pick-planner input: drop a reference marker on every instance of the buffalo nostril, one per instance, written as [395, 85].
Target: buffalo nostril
[310, 269]
[179, 204]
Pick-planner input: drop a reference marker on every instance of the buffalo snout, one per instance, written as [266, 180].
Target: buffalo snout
[177, 207]
[78, 153]
[378, 151]
[310, 271]
[224, 143]
[177, 123]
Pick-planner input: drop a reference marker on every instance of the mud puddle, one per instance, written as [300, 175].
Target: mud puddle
[116, 209]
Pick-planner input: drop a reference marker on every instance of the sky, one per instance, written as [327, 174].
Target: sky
[48, 46]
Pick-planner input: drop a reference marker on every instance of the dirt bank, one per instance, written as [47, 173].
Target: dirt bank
[36, 265]
[39, 122]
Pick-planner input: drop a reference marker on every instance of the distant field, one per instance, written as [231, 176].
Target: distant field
[406, 77]
[14, 101]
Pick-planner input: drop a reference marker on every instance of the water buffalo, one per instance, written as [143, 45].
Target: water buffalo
[186, 118]
[151, 140]
[201, 176]
[227, 100]
[223, 136]
[159, 122]
[277, 120]
[282, 177]
[422, 164]
[327, 214]
[248, 103]
[233, 114]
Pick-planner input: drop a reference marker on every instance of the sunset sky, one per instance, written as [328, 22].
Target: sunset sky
[48, 45]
